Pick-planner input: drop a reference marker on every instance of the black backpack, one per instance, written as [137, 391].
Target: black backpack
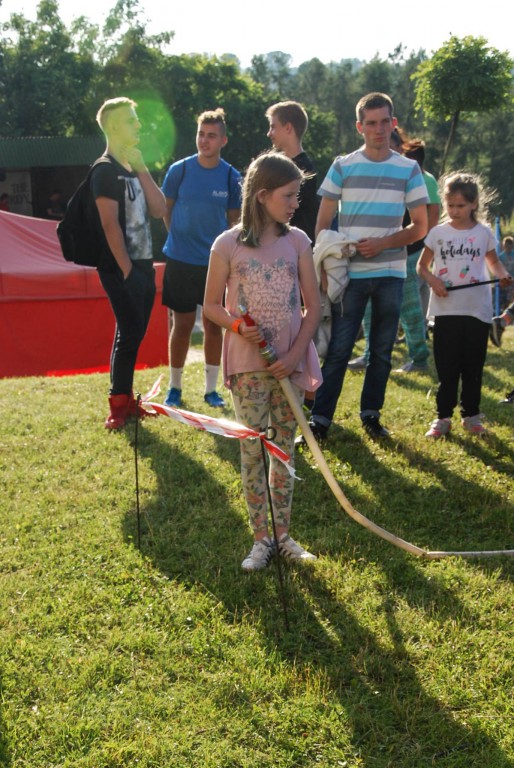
[80, 232]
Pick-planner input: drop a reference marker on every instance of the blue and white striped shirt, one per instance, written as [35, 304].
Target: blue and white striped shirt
[374, 195]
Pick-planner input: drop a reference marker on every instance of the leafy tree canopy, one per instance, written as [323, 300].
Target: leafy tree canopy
[463, 75]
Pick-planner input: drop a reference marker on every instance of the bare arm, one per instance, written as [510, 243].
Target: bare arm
[217, 276]
[327, 211]
[416, 230]
[498, 269]
[167, 215]
[108, 210]
[213, 308]
[424, 271]
[155, 200]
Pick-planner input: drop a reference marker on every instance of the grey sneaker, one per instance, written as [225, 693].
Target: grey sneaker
[473, 424]
[412, 367]
[259, 556]
[290, 550]
[439, 428]
[496, 331]
[358, 363]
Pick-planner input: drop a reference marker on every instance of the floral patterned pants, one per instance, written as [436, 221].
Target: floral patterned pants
[259, 403]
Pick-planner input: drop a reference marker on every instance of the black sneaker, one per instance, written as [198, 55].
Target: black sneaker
[318, 430]
[509, 399]
[373, 427]
[496, 331]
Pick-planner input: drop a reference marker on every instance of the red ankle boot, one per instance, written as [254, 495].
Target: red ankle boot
[119, 405]
[136, 409]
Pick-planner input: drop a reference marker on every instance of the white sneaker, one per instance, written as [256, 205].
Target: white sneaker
[259, 556]
[289, 549]
[473, 424]
[439, 428]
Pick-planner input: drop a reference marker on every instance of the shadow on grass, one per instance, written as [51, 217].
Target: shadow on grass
[188, 502]
[394, 718]
[463, 512]
[195, 532]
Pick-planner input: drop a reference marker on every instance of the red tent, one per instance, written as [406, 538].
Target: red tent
[54, 316]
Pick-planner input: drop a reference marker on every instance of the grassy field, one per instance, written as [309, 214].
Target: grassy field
[169, 656]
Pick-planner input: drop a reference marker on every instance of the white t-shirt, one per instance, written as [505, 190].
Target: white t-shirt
[459, 259]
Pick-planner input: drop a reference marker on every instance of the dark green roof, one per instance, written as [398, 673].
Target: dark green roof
[49, 151]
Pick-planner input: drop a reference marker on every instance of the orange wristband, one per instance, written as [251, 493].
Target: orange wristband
[235, 325]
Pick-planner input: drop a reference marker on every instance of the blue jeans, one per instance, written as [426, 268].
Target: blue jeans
[385, 295]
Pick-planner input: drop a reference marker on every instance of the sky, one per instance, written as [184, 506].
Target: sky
[249, 27]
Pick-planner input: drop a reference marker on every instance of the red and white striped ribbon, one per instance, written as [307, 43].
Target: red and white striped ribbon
[223, 427]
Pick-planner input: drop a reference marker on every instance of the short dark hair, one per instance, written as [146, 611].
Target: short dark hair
[374, 100]
[290, 112]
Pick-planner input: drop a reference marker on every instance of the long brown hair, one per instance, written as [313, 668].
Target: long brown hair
[268, 171]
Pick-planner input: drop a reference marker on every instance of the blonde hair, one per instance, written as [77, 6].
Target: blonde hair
[268, 171]
[108, 107]
[290, 112]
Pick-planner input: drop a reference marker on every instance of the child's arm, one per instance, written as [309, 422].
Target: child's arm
[217, 276]
[498, 269]
[424, 271]
[288, 363]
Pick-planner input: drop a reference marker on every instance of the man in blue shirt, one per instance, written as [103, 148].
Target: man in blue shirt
[203, 198]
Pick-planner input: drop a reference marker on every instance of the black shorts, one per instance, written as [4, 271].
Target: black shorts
[183, 285]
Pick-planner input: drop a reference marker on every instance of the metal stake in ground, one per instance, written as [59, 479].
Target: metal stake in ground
[136, 437]
[271, 435]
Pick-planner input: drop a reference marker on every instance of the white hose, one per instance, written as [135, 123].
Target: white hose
[347, 506]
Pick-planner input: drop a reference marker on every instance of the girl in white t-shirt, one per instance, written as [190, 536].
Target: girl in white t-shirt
[266, 266]
[460, 252]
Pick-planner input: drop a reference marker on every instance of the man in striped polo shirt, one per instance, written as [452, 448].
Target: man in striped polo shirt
[371, 188]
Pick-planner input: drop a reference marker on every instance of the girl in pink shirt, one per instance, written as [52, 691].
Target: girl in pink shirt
[266, 267]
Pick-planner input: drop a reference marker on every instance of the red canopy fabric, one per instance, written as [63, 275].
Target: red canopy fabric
[54, 316]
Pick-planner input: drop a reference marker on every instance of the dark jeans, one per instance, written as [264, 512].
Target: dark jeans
[385, 295]
[460, 349]
[131, 301]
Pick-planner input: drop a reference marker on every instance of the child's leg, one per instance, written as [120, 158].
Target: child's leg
[447, 358]
[282, 420]
[251, 398]
[475, 337]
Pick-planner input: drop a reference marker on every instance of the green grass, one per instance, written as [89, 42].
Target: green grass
[171, 657]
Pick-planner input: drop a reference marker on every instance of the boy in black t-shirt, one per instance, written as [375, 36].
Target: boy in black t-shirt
[288, 122]
[125, 195]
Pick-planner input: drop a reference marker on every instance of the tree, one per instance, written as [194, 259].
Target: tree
[43, 81]
[464, 75]
[272, 70]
